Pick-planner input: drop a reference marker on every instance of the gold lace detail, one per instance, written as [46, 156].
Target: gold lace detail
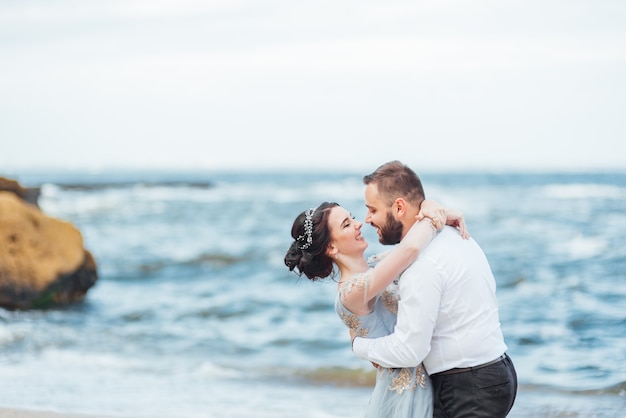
[353, 322]
[421, 377]
[390, 298]
[407, 378]
[402, 381]
[358, 281]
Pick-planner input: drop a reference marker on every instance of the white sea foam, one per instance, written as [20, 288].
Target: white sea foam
[316, 191]
[7, 335]
[60, 204]
[583, 191]
[211, 370]
[580, 247]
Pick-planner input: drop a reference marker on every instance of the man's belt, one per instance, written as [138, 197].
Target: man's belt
[469, 369]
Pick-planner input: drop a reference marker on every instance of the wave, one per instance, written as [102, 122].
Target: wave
[364, 377]
[581, 247]
[336, 376]
[618, 389]
[215, 260]
[583, 191]
[128, 184]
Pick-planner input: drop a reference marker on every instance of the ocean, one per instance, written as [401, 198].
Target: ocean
[195, 314]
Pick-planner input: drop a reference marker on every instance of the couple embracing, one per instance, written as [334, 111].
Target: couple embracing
[424, 313]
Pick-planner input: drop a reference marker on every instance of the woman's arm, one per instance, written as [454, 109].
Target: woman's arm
[401, 257]
[359, 298]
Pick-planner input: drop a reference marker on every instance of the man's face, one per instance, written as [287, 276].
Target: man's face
[381, 216]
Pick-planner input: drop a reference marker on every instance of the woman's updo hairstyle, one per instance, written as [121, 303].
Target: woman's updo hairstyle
[311, 234]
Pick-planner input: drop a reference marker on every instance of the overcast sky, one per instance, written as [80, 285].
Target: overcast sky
[244, 84]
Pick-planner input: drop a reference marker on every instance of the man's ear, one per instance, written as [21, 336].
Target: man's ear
[399, 207]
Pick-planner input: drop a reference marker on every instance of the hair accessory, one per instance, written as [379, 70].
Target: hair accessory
[308, 229]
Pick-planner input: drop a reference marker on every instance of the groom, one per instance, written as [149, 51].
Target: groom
[448, 312]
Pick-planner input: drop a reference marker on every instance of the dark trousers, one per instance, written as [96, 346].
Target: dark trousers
[481, 392]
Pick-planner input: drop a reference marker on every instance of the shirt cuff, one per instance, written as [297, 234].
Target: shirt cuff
[359, 347]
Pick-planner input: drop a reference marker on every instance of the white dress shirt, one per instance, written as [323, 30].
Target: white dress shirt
[447, 313]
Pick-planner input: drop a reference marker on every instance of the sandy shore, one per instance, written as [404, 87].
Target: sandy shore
[530, 403]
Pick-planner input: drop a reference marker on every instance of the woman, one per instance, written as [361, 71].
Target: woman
[367, 298]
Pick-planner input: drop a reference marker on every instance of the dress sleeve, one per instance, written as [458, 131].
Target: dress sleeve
[354, 293]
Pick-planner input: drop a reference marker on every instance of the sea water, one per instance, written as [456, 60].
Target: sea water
[195, 314]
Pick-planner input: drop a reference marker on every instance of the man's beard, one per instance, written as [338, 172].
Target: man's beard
[391, 232]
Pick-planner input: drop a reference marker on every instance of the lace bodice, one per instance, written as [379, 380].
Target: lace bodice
[398, 392]
[381, 320]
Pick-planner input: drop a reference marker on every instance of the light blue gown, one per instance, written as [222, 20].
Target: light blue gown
[398, 393]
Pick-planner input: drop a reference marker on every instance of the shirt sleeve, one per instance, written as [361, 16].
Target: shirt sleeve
[420, 294]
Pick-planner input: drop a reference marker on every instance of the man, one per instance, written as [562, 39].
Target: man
[448, 312]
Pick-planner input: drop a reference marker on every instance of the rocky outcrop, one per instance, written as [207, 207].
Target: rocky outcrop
[28, 194]
[42, 259]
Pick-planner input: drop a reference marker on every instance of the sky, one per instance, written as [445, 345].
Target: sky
[448, 85]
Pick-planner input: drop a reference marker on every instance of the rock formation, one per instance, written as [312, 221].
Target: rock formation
[42, 259]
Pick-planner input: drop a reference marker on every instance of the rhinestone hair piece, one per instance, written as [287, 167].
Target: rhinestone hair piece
[308, 230]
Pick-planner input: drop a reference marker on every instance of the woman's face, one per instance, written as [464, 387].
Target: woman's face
[346, 232]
